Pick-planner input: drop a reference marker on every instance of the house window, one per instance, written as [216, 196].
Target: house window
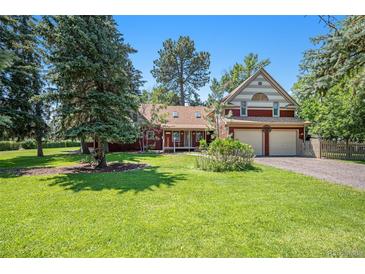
[198, 136]
[176, 136]
[150, 135]
[198, 114]
[276, 109]
[260, 83]
[243, 108]
[260, 97]
[175, 114]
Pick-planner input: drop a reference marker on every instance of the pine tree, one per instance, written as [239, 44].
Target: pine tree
[96, 83]
[20, 80]
[180, 68]
[331, 87]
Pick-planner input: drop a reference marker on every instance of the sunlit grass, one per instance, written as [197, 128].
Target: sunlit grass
[171, 209]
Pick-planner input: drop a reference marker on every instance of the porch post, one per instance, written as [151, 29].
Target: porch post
[163, 140]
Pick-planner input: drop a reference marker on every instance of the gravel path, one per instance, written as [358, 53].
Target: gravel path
[345, 173]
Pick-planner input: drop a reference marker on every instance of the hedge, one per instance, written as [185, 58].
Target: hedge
[30, 144]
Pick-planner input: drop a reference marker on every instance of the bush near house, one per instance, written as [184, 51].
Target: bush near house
[226, 155]
[30, 144]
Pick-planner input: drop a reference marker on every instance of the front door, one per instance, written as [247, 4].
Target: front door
[168, 139]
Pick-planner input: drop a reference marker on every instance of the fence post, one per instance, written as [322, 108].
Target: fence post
[320, 147]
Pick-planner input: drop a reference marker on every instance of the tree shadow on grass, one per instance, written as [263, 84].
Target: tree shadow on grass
[137, 181]
[131, 156]
[34, 161]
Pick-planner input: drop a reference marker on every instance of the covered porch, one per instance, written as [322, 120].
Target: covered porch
[184, 139]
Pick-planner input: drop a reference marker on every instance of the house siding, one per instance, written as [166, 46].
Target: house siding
[259, 112]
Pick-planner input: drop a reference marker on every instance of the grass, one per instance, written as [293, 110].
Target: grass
[355, 161]
[171, 209]
[52, 157]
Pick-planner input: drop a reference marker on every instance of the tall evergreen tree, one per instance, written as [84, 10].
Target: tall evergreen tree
[20, 81]
[96, 83]
[331, 88]
[240, 72]
[182, 69]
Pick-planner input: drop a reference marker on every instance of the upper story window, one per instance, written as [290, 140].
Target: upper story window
[259, 83]
[276, 109]
[260, 97]
[175, 114]
[243, 109]
[198, 114]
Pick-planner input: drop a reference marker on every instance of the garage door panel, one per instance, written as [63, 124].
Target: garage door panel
[251, 137]
[283, 143]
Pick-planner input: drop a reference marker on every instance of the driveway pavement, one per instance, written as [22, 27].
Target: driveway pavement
[345, 173]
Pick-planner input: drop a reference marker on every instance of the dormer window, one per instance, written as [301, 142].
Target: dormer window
[276, 109]
[198, 114]
[243, 109]
[175, 114]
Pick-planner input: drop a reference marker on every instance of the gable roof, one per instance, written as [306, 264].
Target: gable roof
[186, 116]
[267, 77]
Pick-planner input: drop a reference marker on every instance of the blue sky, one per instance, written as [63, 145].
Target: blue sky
[228, 39]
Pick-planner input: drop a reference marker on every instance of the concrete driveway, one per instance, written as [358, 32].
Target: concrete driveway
[345, 173]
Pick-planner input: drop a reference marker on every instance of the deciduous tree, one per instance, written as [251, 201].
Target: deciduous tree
[240, 72]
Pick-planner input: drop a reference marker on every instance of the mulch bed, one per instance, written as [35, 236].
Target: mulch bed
[80, 168]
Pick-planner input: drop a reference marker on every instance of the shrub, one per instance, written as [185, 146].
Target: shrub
[28, 144]
[9, 145]
[203, 145]
[61, 144]
[226, 155]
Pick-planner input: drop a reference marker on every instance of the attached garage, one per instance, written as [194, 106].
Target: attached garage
[283, 142]
[252, 137]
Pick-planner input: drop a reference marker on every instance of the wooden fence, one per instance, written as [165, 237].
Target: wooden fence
[341, 150]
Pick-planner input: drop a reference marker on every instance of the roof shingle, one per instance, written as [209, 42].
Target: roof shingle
[186, 116]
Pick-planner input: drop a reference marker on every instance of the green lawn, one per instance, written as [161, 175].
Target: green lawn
[52, 157]
[172, 209]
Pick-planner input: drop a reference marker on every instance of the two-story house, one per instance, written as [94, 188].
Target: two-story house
[258, 112]
[261, 113]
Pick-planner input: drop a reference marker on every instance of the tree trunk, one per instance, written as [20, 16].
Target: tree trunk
[182, 95]
[39, 130]
[106, 147]
[217, 125]
[100, 154]
[181, 82]
[39, 146]
[84, 147]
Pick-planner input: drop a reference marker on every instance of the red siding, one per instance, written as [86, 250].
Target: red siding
[153, 144]
[286, 113]
[259, 112]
